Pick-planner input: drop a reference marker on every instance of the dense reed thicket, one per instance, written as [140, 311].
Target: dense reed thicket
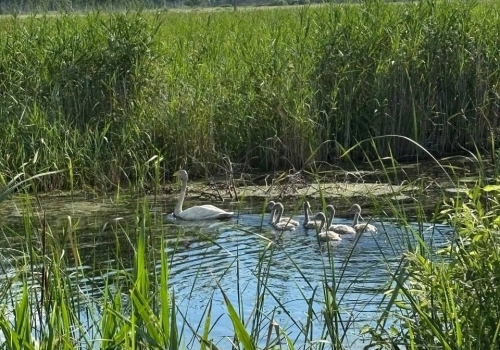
[102, 94]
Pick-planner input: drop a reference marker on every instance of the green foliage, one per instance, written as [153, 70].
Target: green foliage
[108, 91]
[452, 302]
[79, 69]
[69, 85]
[420, 70]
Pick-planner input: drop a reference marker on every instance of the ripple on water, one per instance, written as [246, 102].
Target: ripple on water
[242, 255]
[239, 255]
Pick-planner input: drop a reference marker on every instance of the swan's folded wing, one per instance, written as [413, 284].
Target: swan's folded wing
[205, 212]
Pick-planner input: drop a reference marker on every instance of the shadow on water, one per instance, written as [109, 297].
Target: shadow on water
[206, 257]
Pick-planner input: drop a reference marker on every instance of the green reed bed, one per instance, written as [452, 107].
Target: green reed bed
[103, 93]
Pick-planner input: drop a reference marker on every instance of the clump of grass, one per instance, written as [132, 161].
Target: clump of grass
[448, 298]
[454, 303]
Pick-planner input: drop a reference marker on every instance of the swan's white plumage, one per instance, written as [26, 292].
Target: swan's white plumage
[325, 235]
[199, 212]
[361, 227]
[271, 206]
[280, 223]
[277, 207]
[308, 224]
[338, 228]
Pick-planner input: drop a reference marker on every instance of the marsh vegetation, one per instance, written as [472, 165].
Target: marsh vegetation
[102, 94]
[114, 103]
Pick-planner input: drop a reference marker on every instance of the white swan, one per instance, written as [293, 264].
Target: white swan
[199, 212]
[307, 222]
[271, 206]
[325, 235]
[279, 223]
[369, 228]
[338, 228]
[278, 207]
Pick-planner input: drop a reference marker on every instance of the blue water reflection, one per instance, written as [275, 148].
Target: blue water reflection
[244, 257]
[294, 267]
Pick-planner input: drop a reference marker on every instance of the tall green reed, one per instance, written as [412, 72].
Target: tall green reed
[452, 304]
[264, 88]
[414, 70]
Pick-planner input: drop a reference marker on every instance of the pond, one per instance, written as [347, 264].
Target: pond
[241, 257]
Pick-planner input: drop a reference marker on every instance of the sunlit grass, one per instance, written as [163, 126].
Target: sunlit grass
[112, 100]
[106, 92]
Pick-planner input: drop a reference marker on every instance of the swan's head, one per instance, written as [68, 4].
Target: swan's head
[271, 205]
[356, 208]
[320, 216]
[182, 174]
[278, 206]
[330, 209]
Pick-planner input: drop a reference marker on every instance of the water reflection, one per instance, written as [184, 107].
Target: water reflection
[294, 267]
[241, 257]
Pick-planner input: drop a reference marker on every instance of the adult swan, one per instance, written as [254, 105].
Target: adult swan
[198, 212]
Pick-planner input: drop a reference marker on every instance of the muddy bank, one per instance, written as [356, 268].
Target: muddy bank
[381, 192]
[413, 186]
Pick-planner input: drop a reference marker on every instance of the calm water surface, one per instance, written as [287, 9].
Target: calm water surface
[207, 257]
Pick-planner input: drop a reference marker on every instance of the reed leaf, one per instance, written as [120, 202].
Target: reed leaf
[239, 328]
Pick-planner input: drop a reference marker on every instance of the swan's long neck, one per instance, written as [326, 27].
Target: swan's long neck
[330, 219]
[278, 217]
[306, 213]
[321, 224]
[356, 217]
[273, 214]
[178, 206]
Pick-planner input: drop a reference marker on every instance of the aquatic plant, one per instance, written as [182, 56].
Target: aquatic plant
[451, 302]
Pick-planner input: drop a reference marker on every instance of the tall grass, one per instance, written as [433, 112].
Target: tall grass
[105, 92]
[450, 301]
[446, 301]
